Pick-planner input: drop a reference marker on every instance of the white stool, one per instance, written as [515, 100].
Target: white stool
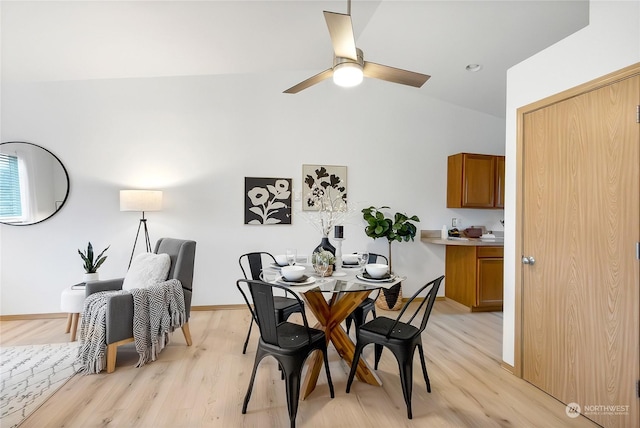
[72, 302]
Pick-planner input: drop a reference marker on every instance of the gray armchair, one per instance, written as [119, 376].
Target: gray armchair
[119, 317]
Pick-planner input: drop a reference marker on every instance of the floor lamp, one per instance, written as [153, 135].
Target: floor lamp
[141, 200]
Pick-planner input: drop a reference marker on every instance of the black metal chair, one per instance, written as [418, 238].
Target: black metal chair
[360, 313]
[290, 344]
[401, 338]
[252, 263]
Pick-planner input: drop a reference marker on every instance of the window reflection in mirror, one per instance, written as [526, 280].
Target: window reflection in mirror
[34, 184]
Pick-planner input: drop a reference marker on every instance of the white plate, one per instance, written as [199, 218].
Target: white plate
[281, 280]
[362, 278]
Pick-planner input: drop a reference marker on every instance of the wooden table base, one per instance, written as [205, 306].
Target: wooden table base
[330, 316]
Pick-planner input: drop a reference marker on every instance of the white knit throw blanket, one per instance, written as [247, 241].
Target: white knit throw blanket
[157, 311]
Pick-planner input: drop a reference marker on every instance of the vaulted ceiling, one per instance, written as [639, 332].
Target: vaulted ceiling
[50, 41]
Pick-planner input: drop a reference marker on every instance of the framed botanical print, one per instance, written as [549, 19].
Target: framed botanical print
[267, 200]
[324, 187]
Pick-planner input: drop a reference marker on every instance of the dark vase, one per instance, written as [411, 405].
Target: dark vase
[325, 245]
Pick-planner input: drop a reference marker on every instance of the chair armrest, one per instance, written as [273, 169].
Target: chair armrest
[119, 317]
[106, 285]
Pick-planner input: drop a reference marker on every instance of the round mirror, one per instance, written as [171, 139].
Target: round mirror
[34, 184]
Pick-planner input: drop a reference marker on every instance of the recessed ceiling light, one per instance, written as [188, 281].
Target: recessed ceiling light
[474, 67]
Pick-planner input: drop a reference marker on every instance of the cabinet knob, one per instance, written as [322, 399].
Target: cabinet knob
[528, 260]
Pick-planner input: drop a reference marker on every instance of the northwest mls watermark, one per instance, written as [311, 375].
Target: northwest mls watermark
[574, 410]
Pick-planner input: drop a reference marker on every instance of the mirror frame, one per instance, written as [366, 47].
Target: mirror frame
[66, 174]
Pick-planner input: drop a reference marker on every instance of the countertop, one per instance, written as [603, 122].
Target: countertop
[433, 237]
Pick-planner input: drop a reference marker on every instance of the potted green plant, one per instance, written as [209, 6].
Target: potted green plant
[90, 264]
[324, 255]
[397, 228]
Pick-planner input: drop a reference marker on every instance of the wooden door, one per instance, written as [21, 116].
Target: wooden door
[581, 223]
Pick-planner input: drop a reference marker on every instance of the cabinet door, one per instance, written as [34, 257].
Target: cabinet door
[490, 282]
[499, 191]
[478, 181]
[460, 262]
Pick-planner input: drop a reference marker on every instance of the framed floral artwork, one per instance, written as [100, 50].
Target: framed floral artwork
[267, 200]
[324, 187]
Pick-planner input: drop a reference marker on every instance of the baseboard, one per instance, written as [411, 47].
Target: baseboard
[22, 317]
[218, 307]
[508, 367]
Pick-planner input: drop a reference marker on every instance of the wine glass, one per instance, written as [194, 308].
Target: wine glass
[322, 266]
[292, 255]
[363, 259]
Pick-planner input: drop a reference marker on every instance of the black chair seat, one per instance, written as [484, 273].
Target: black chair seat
[382, 325]
[401, 338]
[285, 306]
[292, 336]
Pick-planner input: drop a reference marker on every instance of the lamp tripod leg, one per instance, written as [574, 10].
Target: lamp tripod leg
[136, 241]
[146, 237]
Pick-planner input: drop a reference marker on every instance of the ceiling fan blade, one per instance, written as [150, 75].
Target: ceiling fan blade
[341, 32]
[310, 81]
[395, 75]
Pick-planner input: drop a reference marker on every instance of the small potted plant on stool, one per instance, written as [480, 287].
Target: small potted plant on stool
[91, 266]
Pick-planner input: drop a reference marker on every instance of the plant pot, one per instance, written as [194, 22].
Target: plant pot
[390, 299]
[89, 277]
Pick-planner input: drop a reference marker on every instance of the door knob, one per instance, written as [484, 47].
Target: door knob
[528, 260]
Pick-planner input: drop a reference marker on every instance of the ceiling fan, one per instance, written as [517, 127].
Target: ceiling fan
[349, 65]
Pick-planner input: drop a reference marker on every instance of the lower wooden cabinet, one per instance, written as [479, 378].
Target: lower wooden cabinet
[474, 276]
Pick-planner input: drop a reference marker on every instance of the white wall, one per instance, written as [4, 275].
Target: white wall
[609, 43]
[196, 138]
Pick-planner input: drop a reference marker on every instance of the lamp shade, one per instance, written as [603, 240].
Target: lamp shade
[140, 200]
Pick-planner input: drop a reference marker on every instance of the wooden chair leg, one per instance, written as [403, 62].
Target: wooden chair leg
[74, 326]
[68, 327]
[112, 352]
[187, 333]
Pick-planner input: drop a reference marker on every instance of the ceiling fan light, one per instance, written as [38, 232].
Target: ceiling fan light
[347, 74]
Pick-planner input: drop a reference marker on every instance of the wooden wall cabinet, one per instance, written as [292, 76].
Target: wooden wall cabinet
[474, 276]
[475, 181]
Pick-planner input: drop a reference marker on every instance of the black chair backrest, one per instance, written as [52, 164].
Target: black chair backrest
[254, 263]
[263, 308]
[373, 258]
[429, 300]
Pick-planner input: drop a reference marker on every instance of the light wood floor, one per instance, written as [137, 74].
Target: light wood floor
[204, 385]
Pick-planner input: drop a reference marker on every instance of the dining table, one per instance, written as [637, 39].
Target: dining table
[332, 299]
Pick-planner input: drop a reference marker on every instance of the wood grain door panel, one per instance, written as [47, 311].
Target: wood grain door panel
[581, 221]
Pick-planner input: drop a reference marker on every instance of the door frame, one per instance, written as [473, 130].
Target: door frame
[521, 112]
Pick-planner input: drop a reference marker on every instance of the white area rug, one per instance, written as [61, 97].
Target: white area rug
[30, 375]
